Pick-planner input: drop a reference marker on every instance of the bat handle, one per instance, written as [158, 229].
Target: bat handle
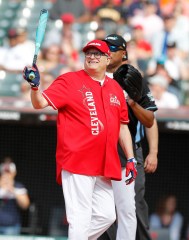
[32, 73]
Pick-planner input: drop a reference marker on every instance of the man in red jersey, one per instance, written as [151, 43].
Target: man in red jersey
[92, 117]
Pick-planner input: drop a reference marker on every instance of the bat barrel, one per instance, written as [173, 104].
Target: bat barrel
[40, 32]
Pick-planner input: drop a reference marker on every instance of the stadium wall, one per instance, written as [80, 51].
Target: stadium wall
[30, 139]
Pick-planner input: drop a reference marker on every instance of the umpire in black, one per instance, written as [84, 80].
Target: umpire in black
[141, 106]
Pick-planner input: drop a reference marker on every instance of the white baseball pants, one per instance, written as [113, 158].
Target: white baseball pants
[124, 196]
[90, 206]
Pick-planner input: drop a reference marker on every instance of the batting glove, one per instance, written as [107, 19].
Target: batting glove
[131, 171]
[32, 76]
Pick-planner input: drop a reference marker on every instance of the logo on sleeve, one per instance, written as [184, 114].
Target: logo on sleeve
[114, 100]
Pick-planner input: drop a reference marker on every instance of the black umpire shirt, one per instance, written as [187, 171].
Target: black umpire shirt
[147, 102]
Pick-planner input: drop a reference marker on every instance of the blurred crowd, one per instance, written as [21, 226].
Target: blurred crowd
[168, 217]
[156, 32]
[13, 198]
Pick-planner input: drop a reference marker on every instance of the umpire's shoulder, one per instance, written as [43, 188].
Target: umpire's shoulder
[114, 84]
[111, 80]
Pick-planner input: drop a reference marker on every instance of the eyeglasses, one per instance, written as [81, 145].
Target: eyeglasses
[114, 48]
[97, 55]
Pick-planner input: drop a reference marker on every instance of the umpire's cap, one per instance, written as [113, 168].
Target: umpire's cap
[116, 40]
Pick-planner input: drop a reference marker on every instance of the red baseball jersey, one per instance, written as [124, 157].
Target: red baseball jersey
[88, 124]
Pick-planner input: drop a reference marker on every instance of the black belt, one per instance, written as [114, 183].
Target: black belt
[138, 145]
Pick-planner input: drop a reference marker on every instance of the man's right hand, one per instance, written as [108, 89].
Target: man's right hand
[35, 72]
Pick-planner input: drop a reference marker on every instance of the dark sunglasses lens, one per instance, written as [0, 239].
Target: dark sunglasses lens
[113, 48]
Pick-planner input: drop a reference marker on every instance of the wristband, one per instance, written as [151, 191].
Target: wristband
[132, 160]
[34, 88]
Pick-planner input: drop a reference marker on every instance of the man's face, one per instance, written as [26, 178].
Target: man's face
[117, 55]
[95, 60]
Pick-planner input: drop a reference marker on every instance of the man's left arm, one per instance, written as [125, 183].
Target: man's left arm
[125, 141]
[151, 161]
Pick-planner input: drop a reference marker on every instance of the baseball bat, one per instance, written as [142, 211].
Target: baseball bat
[40, 32]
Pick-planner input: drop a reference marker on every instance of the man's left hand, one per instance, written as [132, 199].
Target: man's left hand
[131, 171]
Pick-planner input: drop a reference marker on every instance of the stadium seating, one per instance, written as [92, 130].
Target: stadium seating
[8, 11]
[12, 16]
[10, 85]
[185, 92]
